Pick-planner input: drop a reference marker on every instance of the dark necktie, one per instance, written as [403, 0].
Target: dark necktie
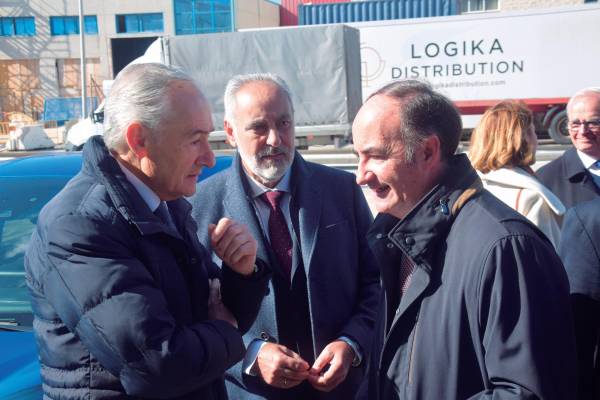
[162, 212]
[279, 235]
[597, 164]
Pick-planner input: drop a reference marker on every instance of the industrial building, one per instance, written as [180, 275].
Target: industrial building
[40, 50]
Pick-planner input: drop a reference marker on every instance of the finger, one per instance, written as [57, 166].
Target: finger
[293, 361]
[220, 229]
[214, 294]
[243, 250]
[233, 245]
[294, 375]
[231, 239]
[324, 358]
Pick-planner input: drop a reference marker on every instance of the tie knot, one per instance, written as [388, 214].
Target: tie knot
[597, 164]
[272, 198]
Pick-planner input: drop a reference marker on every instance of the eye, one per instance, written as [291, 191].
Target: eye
[285, 123]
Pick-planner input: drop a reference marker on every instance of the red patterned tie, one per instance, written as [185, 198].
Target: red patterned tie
[406, 270]
[279, 235]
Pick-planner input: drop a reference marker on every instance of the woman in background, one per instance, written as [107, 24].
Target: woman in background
[502, 150]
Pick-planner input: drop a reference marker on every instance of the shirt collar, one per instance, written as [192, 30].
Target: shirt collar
[150, 198]
[586, 160]
[257, 188]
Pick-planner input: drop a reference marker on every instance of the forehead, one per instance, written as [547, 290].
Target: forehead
[377, 123]
[585, 104]
[188, 104]
[262, 97]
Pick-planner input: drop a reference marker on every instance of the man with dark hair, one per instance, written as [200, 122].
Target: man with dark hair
[575, 176]
[120, 287]
[314, 327]
[475, 301]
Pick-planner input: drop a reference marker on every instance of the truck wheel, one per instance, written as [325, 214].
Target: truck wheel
[558, 130]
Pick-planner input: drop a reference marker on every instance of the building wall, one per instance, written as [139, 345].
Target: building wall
[54, 60]
[506, 5]
[256, 14]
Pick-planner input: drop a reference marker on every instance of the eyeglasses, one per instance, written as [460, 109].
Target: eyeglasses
[592, 125]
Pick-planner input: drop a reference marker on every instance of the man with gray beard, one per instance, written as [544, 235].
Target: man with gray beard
[314, 326]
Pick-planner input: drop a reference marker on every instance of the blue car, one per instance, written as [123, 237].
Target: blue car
[26, 185]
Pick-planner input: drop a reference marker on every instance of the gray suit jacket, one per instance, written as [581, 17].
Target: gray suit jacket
[342, 277]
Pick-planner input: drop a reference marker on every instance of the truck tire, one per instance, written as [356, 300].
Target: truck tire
[558, 130]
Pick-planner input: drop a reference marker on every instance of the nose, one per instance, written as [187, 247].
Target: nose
[274, 137]
[362, 174]
[207, 157]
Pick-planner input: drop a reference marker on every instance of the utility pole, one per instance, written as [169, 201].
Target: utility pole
[82, 64]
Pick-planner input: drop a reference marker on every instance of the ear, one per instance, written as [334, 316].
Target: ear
[228, 127]
[431, 151]
[136, 136]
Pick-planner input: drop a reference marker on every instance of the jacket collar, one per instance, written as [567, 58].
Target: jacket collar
[98, 162]
[422, 233]
[432, 217]
[519, 178]
[573, 167]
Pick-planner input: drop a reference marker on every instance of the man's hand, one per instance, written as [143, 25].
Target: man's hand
[338, 355]
[233, 244]
[280, 366]
[216, 308]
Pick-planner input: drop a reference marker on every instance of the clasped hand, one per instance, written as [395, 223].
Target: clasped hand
[283, 368]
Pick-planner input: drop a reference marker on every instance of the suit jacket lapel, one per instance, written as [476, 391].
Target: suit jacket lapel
[307, 200]
[239, 206]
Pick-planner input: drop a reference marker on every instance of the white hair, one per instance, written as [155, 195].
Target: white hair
[139, 93]
[238, 81]
[594, 90]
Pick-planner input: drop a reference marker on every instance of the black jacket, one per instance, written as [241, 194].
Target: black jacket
[580, 252]
[120, 299]
[567, 178]
[487, 311]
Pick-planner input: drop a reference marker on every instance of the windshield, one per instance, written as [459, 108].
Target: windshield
[21, 199]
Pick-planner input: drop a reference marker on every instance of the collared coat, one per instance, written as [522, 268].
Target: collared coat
[120, 299]
[580, 251]
[343, 282]
[486, 314]
[523, 192]
[567, 178]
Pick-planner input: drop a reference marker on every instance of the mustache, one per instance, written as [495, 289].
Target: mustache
[272, 151]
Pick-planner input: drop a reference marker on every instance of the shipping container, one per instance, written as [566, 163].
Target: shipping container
[288, 11]
[380, 10]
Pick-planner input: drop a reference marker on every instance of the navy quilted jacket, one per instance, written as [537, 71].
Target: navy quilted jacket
[120, 299]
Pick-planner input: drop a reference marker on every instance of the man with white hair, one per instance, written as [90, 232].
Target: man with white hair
[575, 176]
[314, 326]
[118, 279]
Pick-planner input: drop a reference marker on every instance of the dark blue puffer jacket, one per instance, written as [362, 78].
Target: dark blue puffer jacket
[120, 299]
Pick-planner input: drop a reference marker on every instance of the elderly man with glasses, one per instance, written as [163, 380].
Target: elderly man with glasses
[575, 176]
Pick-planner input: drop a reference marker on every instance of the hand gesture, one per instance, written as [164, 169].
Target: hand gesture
[233, 244]
[339, 356]
[280, 366]
[216, 308]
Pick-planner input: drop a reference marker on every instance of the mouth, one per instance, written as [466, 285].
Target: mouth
[380, 191]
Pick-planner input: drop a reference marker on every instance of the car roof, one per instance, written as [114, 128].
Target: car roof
[60, 164]
[69, 164]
